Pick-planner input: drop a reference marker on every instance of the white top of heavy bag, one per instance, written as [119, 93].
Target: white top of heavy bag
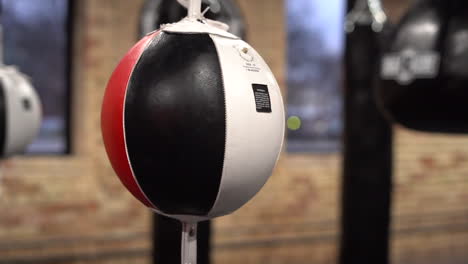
[21, 112]
[193, 26]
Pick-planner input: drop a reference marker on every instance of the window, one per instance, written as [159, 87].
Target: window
[37, 40]
[314, 70]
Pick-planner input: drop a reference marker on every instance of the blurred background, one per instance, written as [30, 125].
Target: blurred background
[62, 203]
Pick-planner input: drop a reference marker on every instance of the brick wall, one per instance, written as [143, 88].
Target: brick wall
[74, 210]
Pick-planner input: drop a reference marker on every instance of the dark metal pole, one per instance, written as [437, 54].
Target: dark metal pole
[367, 172]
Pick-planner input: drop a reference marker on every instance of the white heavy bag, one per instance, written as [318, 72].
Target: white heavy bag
[20, 112]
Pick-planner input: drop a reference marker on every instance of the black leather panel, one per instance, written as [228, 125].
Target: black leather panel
[175, 123]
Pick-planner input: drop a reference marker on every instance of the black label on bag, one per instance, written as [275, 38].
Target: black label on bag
[262, 98]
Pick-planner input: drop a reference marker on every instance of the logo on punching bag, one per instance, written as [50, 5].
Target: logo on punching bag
[409, 65]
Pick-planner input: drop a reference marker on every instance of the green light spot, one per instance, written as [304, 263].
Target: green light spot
[294, 123]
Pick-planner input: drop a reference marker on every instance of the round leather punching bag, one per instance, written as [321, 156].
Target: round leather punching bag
[158, 12]
[425, 71]
[193, 121]
[20, 112]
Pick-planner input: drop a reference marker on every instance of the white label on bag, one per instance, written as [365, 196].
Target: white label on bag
[409, 65]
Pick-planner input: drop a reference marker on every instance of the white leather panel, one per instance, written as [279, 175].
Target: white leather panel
[253, 139]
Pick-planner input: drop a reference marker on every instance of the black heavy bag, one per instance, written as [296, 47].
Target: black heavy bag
[367, 160]
[158, 12]
[425, 71]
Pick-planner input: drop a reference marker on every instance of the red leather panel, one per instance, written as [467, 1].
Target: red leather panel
[112, 118]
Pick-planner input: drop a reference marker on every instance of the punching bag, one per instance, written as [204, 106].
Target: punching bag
[367, 161]
[158, 12]
[20, 112]
[193, 123]
[425, 70]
